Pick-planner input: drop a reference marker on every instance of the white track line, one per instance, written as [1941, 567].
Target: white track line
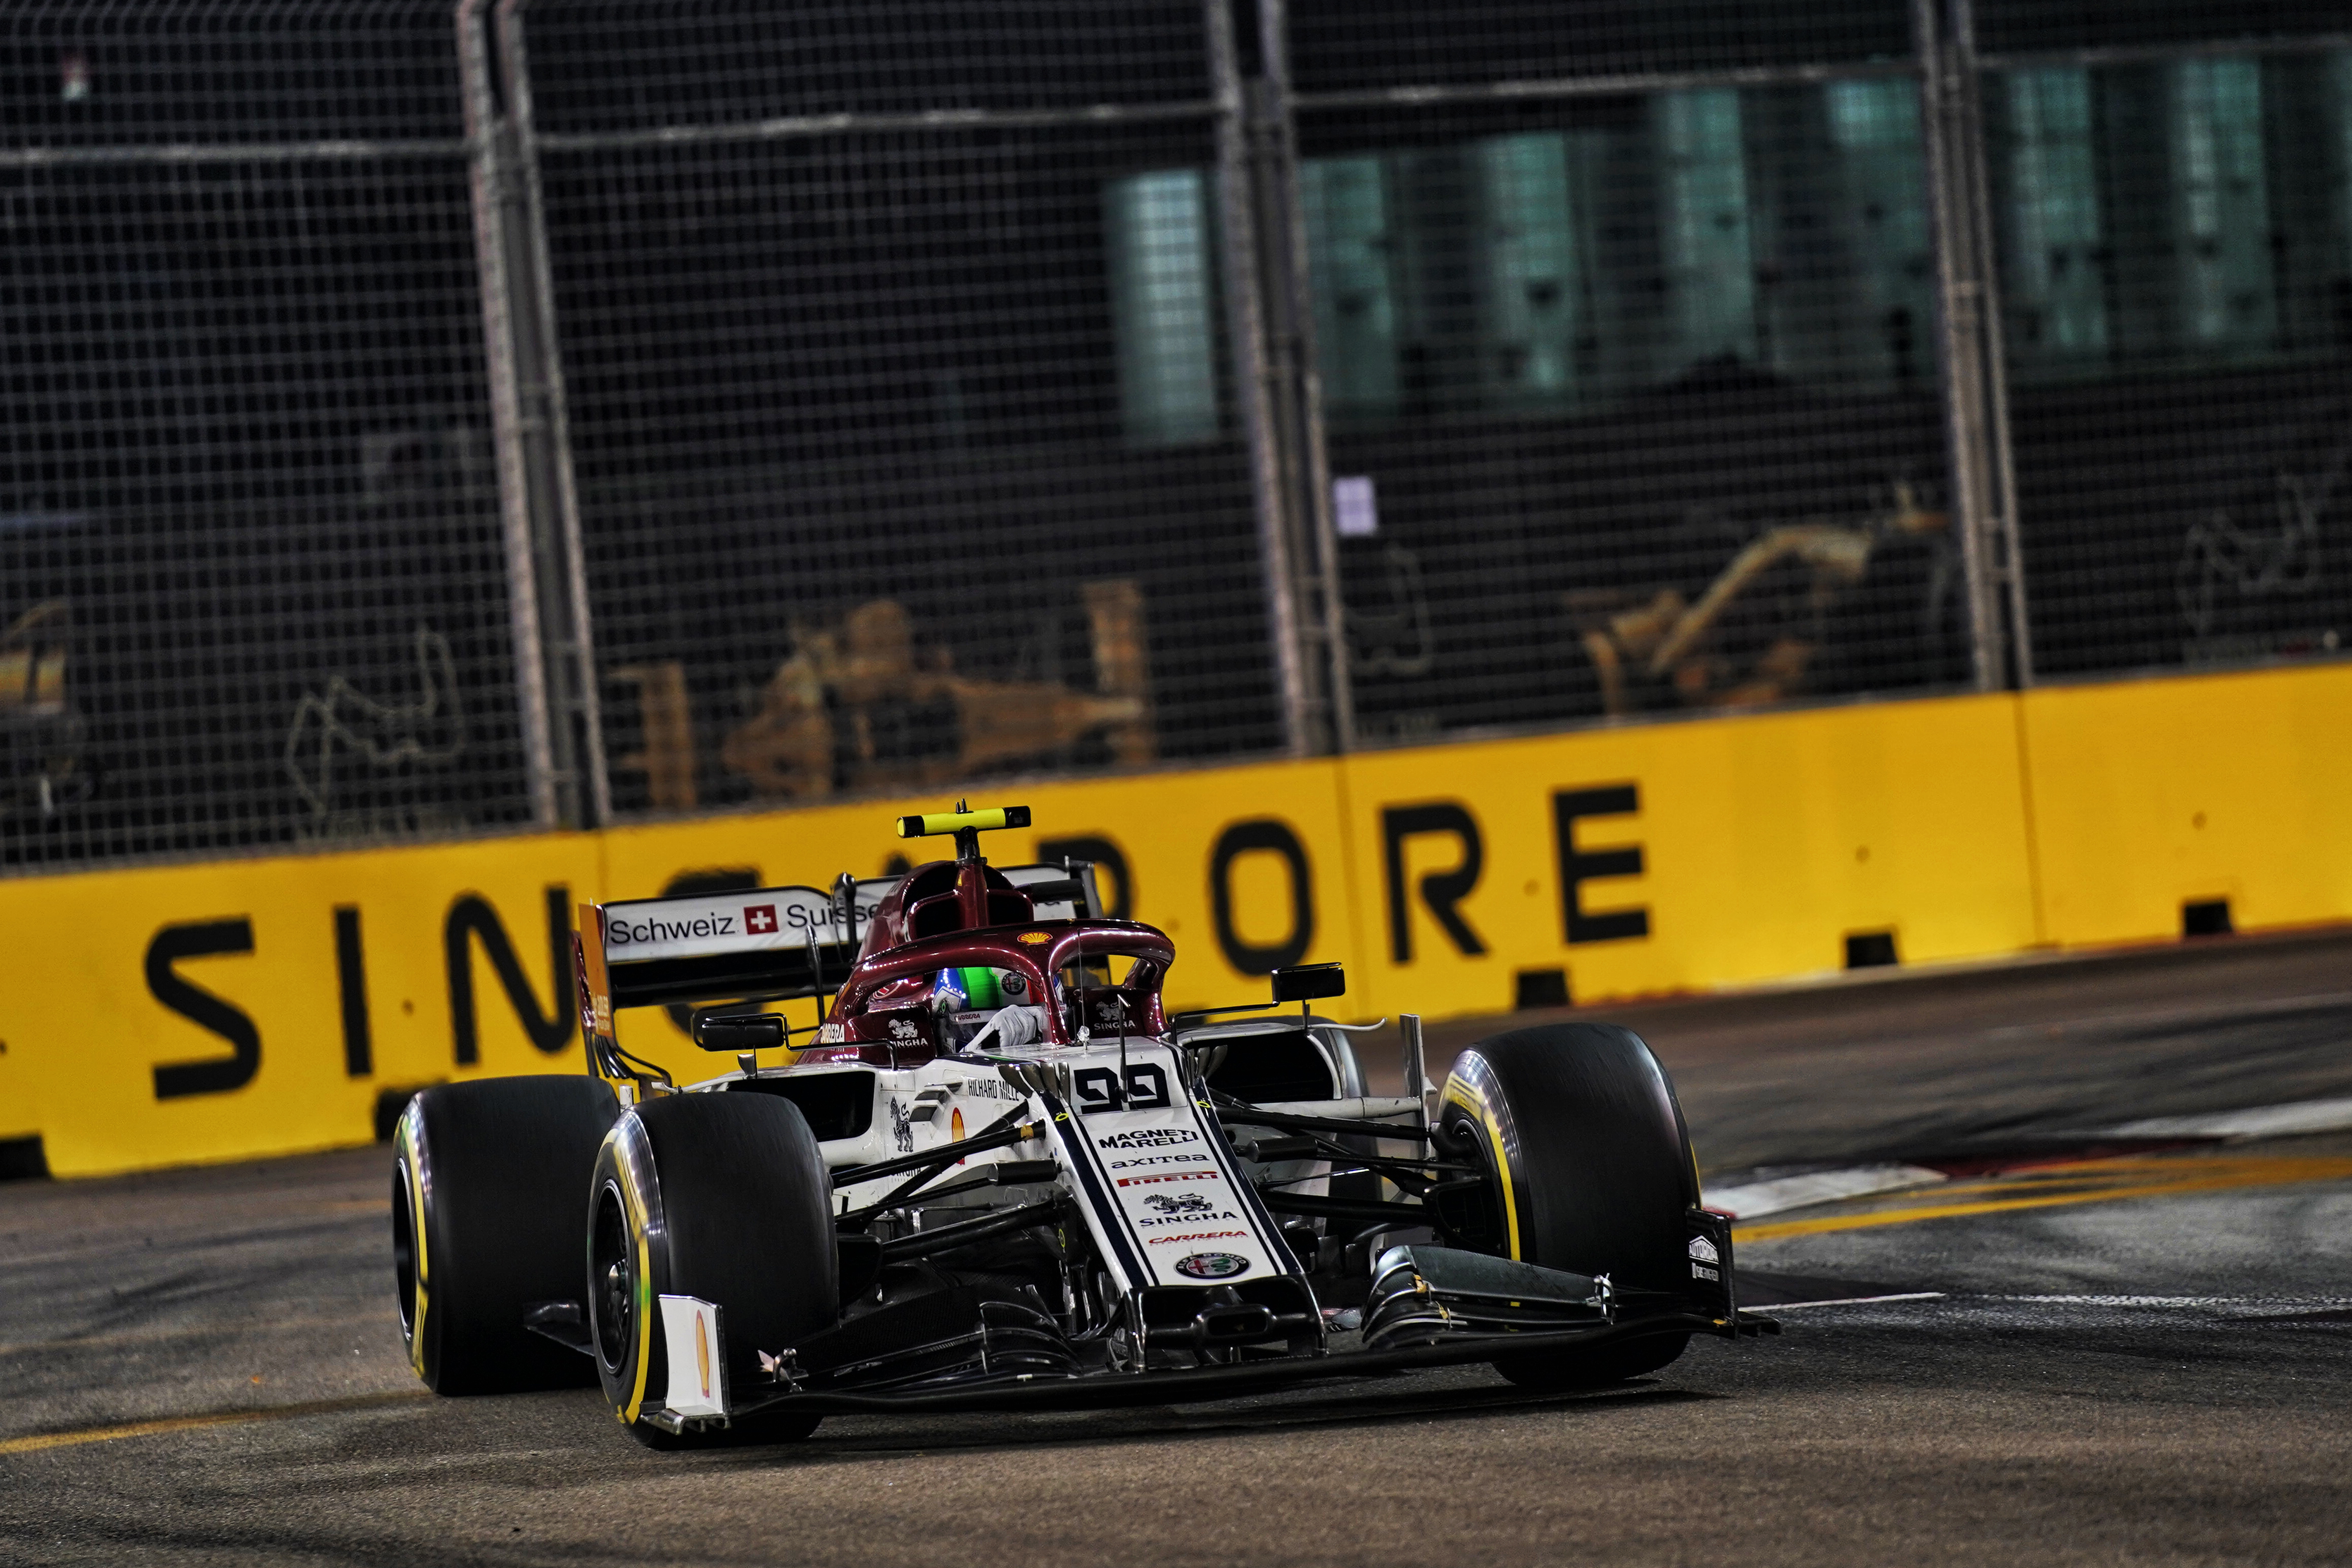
[2254, 1121]
[1754, 1198]
[1751, 1200]
[2267, 1302]
[1848, 1301]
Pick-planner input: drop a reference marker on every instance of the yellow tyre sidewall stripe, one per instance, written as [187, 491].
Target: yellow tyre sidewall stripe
[412, 1128]
[1472, 1099]
[633, 1211]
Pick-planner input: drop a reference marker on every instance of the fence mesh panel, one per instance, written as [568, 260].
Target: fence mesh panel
[2025, 26]
[931, 410]
[2176, 246]
[1632, 398]
[1382, 46]
[250, 586]
[905, 455]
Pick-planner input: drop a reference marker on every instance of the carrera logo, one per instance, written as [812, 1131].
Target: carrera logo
[622, 933]
[1165, 1176]
[1198, 1236]
[1147, 1138]
[759, 918]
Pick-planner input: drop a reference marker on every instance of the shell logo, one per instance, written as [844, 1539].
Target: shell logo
[702, 1351]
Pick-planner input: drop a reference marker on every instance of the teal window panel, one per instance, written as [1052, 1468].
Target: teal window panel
[1163, 301]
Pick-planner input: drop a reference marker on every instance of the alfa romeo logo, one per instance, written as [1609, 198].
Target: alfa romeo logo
[1211, 1265]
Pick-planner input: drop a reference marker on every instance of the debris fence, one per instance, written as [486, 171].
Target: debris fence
[554, 412]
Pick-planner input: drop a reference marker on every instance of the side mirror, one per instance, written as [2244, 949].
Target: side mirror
[1310, 981]
[739, 1031]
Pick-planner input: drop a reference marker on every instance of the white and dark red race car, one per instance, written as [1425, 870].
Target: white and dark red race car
[998, 1175]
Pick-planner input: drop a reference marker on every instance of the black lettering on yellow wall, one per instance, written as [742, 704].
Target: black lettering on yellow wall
[214, 1075]
[1118, 904]
[351, 981]
[1578, 865]
[1243, 839]
[1440, 891]
[472, 918]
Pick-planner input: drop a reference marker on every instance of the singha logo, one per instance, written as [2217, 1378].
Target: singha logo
[903, 1030]
[902, 1127]
[1182, 1203]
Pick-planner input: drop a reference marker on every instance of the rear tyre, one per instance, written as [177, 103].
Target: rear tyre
[489, 1192]
[722, 1197]
[1593, 1175]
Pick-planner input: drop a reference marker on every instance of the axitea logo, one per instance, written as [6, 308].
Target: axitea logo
[625, 933]
[759, 918]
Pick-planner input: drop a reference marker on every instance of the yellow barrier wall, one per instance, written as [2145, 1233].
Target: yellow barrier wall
[1703, 854]
[1762, 843]
[97, 961]
[2151, 796]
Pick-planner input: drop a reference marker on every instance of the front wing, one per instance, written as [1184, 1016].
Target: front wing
[1105, 1390]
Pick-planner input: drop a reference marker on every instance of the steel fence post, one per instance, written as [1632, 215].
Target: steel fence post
[1975, 382]
[2001, 464]
[1309, 465]
[492, 267]
[1253, 376]
[1959, 301]
[579, 713]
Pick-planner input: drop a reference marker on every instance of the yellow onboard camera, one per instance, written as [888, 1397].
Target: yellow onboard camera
[965, 823]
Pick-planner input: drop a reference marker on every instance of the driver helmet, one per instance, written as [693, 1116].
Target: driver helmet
[979, 989]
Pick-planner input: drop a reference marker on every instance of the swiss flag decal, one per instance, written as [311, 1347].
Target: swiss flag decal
[759, 918]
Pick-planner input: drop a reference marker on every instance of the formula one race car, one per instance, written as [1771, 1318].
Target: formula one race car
[998, 1175]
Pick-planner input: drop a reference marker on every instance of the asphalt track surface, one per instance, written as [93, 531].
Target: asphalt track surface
[2145, 1355]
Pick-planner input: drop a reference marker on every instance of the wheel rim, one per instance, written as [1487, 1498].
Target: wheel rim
[1472, 1218]
[403, 1248]
[612, 1278]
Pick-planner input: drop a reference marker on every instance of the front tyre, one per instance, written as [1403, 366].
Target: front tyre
[723, 1198]
[488, 1191]
[1593, 1173]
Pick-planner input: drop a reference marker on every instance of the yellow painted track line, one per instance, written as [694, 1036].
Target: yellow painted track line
[2221, 1174]
[216, 1418]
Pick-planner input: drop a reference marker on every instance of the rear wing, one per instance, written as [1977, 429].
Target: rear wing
[765, 944]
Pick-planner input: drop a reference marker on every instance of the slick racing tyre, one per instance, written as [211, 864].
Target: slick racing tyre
[490, 1195]
[723, 1198]
[1592, 1173]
